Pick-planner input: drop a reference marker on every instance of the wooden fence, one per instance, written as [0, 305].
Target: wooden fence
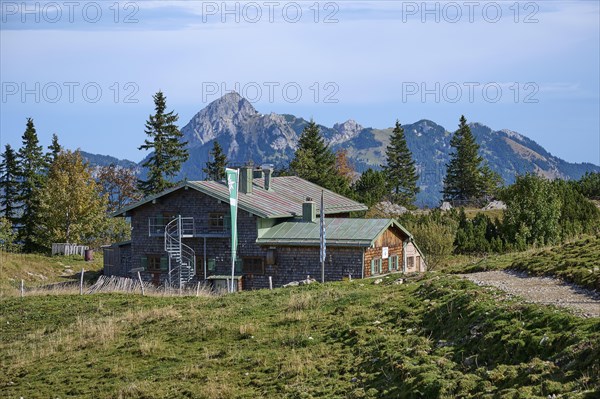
[68, 249]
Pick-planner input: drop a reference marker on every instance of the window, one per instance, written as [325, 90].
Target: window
[393, 262]
[216, 222]
[253, 265]
[376, 266]
[410, 262]
[155, 263]
[211, 265]
[156, 224]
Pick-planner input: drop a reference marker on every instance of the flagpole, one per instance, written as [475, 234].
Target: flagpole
[234, 244]
[233, 178]
[322, 252]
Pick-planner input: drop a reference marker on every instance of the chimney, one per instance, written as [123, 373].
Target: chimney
[267, 170]
[246, 179]
[309, 210]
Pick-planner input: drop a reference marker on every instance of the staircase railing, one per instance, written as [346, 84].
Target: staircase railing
[182, 259]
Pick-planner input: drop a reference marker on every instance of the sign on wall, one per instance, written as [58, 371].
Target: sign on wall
[384, 253]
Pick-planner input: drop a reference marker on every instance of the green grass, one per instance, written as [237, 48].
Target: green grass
[38, 270]
[577, 262]
[433, 336]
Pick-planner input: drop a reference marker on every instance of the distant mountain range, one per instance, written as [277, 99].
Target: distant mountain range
[247, 135]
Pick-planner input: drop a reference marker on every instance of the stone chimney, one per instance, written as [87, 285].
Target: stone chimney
[267, 171]
[309, 210]
[246, 179]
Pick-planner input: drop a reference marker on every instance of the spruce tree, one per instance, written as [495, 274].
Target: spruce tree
[55, 149]
[169, 153]
[400, 170]
[9, 172]
[371, 189]
[31, 175]
[215, 169]
[463, 174]
[314, 161]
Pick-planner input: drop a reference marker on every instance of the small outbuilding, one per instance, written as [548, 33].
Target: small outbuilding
[356, 248]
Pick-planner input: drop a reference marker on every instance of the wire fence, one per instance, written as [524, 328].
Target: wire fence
[115, 284]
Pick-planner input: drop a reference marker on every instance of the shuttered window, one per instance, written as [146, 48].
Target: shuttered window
[212, 265]
[376, 266]
[393, 263]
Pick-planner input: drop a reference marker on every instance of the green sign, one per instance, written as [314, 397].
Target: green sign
[232, 182]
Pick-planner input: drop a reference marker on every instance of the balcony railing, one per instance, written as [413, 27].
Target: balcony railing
[192, 227]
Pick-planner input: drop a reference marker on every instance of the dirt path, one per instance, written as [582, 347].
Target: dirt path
[542, 290]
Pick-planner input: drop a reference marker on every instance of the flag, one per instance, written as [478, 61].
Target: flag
[232, 183]
[323, 250]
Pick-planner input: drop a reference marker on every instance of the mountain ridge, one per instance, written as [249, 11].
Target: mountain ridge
[248, 135]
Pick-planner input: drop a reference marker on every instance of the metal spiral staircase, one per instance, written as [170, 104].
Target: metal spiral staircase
[182, 259]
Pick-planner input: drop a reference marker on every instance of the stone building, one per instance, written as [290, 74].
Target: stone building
[183, 235]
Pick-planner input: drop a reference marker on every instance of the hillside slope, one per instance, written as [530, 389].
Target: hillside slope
[435, 337]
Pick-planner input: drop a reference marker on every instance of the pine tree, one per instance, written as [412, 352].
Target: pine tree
[169, 153]
[463, 174]
[314, 161]
[55, 149]
[68, 214]
[9, 172]
[32, 175]
[371, 188]
[215, 169]
[400, 170]
[490, 182]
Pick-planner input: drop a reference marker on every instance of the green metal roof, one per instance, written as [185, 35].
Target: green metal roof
[338, 232]
[284, 200]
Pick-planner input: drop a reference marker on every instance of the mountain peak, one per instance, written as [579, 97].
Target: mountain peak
[231, 104]
[345, 131]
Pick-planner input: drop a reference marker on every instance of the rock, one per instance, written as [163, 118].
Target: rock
[494, 205]
[445, 206]
[378, 281]
[307, 281]
[388, 208]
[399, 281]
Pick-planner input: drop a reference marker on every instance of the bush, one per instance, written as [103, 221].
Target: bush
[434, 237]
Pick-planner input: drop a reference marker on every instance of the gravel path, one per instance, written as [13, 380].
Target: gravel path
[542, 290]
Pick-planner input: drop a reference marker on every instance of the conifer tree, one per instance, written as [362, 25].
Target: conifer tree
[314, 161]
[9, 172]
[215, 169]
[371, 189]
[32, 175]
[400, 170]
[463, 174]
[55, 149]
[169, 153]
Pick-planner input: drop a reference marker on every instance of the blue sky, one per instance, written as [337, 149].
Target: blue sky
[87, 72]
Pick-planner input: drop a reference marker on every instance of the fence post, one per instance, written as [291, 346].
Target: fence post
[198, 289]
[81, 282]
[349, 277]
[270, 283]
[141, 282]
[22, 288]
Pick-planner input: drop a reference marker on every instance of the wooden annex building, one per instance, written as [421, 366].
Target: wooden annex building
[182, 235]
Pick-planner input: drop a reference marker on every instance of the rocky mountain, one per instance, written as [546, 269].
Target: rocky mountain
[247, 135]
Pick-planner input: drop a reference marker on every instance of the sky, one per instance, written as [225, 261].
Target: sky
[87, 70]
